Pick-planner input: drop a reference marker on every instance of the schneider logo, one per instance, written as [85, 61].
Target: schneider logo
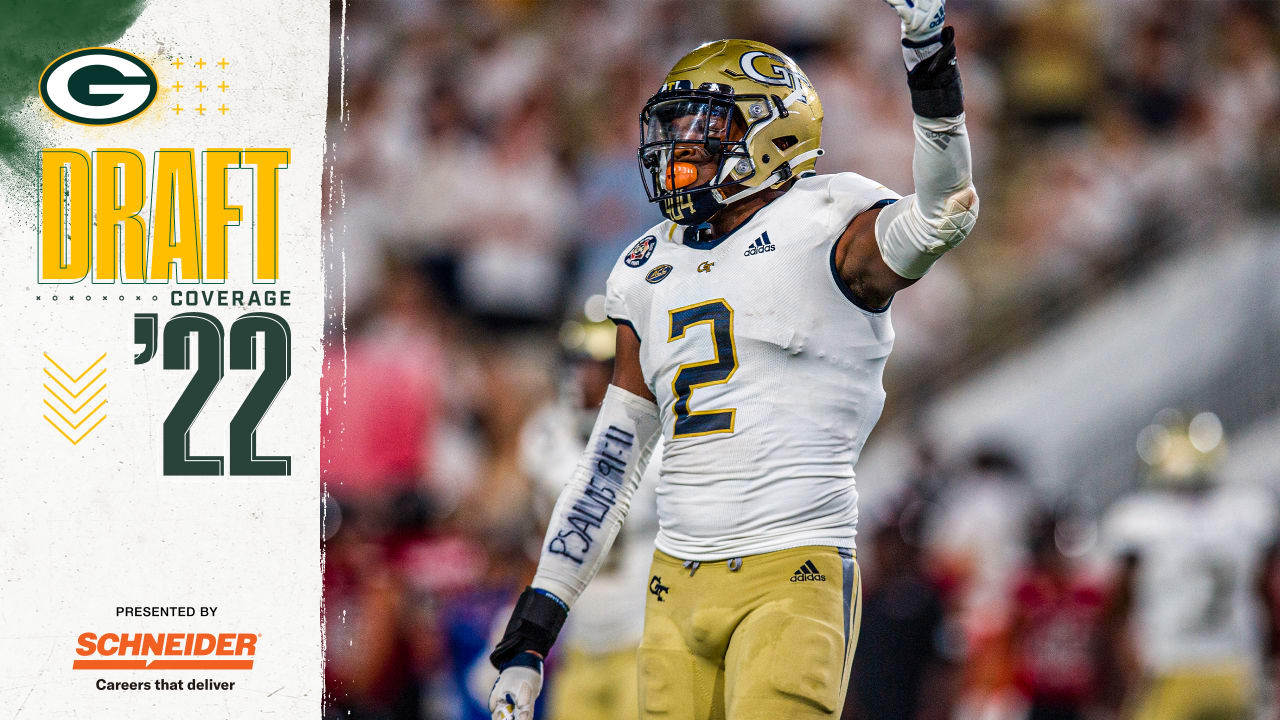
[97, 86]
[165, 651]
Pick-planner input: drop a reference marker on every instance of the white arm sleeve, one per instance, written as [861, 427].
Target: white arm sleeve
[594, 503]
[915, 231]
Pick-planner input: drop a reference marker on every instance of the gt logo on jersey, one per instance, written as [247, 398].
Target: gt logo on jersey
[706, 266]
[640, 252]
[97, 86]
[770, 69]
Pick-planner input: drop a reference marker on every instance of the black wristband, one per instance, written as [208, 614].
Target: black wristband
[534, 625]
[935, 81]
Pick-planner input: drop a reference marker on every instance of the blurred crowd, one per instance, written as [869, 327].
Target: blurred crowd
[484, 180]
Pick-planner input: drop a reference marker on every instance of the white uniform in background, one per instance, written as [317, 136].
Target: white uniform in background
[1196, 597]
[609, 617]
[766, 371]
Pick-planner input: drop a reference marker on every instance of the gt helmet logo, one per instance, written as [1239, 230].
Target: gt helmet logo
[767, 68]
[97, 86]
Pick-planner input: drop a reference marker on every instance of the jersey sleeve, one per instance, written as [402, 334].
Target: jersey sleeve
[1255, 510]
[626, 294]
[1121, 531]
[850, 194]
[615, 298]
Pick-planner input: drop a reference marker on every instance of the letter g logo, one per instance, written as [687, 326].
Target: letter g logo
[97, 86]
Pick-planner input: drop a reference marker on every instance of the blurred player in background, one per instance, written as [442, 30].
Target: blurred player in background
[903, 669]
[1055, 627]
[1195, 560]
[977, 540]
[753, 333]
[596, 678]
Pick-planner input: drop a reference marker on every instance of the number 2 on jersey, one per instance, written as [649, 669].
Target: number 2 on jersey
[718, 316]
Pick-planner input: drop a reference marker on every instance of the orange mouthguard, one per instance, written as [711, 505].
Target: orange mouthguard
[680, 174]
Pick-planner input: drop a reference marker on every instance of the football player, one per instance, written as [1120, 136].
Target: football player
[1195, 563]
[753, 332]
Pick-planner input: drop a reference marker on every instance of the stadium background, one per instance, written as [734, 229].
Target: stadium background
[483, 179]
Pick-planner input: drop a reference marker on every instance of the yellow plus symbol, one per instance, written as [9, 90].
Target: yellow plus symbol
[177, 86]
[200, 85]
[177, 63]
[223, 109]
[200, 63]
[223, 63]
[223, 86]
[177, 110]
[200, 109]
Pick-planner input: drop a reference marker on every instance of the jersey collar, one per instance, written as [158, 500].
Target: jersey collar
[693, 232]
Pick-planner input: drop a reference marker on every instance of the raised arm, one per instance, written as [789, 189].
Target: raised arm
[884, 250]
[586, 519]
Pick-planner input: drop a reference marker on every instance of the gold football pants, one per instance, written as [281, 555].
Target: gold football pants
[1209, 693]
[595, 687]
[765, 636]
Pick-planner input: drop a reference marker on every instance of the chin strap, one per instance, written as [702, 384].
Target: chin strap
[785, 171]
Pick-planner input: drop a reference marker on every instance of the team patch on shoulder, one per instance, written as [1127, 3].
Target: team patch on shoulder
[658, 274]
[640, 252]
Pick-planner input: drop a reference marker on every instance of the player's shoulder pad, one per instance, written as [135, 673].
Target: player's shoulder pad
[1254, 507]
[638, 267]
[844, 196]
[637, 254]
[641, 256]
[1131, 519]
[851, 185]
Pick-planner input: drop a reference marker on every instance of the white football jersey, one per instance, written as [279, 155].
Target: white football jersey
[767, 372]
[1199, 556]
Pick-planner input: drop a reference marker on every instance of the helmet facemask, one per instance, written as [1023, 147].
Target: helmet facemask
[692, 145]
[691, 166]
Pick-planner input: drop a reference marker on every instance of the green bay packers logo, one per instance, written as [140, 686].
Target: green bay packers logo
[770, 69]
[97, 86]
[658, 274]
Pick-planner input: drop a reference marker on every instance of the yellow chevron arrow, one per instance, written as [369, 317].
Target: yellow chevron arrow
[68, 437]
[74, 411]
[76, 379]
[86, 417]
[64, 387]
[86, 402]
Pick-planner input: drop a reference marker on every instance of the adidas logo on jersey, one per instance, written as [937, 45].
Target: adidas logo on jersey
[808, 572]
[759, 245]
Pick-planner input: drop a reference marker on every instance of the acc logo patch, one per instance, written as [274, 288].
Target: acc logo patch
[658, 274]
[97, 86]
[640, 252]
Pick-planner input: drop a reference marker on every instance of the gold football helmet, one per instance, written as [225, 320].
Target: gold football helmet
[1181, 453]
[739, 106]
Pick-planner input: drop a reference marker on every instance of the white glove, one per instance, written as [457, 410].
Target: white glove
[516, 689]
[921, 19]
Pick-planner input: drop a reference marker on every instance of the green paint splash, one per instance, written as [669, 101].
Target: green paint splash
[33, 33]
